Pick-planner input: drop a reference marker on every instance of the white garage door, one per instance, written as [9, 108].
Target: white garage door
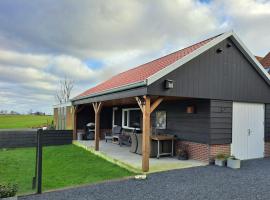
[248, 130]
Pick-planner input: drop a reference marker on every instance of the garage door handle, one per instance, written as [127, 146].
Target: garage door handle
[249, 131]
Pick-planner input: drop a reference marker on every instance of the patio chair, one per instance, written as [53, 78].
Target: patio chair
[134, 143]
[116, 131]
[124, 139]
[134, 139]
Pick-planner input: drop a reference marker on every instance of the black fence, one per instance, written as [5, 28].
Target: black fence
[28, 138]
[56, 137]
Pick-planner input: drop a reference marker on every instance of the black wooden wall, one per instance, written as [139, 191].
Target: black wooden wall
[220, 122]
[226, 76]
[87, 115]
[192, 127]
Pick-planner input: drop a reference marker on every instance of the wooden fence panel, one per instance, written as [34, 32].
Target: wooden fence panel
[28, 138]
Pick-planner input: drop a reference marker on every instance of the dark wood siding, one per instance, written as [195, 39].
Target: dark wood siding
[87, 115]
[220, 122]
[227, 76]
[267, 122]
[191, 127]
[118, 117]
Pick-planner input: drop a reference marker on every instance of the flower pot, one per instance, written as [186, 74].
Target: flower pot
[220, 163]
[233, 163]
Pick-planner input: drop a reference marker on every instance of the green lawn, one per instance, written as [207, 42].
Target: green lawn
[23, 121]
[63, 166]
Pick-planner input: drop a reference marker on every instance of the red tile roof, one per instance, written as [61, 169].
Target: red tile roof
[259, 58]
[266, 61]
[144, 71]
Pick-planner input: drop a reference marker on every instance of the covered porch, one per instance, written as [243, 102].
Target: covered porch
[124, 158]
[121, 112]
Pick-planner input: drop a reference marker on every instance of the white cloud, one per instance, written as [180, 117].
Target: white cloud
[100, 28]
[23, 59]
[41, 46]
[250, 19]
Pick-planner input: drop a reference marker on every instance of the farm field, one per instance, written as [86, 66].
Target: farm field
[24, 121]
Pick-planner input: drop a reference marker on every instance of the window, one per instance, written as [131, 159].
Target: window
[114, 109]
[130, 116]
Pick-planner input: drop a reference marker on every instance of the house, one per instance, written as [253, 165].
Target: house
[63, 116]
[213, 96]
[265, 61]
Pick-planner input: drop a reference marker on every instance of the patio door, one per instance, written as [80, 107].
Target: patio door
[248, 130]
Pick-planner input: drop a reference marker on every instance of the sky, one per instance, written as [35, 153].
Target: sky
[88, 41]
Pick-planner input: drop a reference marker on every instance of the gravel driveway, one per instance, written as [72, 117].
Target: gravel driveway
[252, 181]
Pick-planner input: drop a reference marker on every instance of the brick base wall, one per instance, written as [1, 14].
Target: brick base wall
[219, 148]
[267, 149]
[204, 152]
[196, 151]
[207, 153]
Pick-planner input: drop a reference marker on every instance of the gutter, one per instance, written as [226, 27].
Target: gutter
[113, 90]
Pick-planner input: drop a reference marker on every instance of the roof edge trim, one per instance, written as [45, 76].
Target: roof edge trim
[112, 90]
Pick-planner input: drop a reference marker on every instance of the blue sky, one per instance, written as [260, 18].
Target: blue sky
[89, 41]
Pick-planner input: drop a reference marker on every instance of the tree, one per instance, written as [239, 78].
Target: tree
[65, 88]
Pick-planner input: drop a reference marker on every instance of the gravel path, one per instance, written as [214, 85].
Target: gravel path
[252, 181]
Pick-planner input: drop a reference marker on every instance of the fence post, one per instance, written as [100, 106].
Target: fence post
[39, 163]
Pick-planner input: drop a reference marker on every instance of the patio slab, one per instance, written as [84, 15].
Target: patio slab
[124, 158]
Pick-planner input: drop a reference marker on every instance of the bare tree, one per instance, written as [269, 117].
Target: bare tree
[65, 88]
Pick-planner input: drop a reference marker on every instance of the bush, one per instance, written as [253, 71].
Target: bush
[221, 156]
[8, 190]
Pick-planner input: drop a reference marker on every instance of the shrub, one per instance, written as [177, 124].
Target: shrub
[221, 156]
[8, 190]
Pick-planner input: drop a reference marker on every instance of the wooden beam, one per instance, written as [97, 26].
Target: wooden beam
[97, 108]
[146, 134]
[156, 104]
[139, 103]
[75, 122]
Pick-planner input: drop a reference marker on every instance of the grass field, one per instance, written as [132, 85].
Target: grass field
[63, 166]
[23, 121]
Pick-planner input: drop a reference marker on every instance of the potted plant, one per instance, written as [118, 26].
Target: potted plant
[233, 162]
[182, 153]
[220, 160]
[8, 191]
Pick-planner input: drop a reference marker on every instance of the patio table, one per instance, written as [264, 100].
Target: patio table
[161, 138]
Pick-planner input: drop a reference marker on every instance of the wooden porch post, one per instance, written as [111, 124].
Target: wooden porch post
[146, 134]
[97, 108]
[146, 109]
[75, 122]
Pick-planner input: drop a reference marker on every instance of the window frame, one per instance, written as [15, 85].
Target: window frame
[127, 110]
